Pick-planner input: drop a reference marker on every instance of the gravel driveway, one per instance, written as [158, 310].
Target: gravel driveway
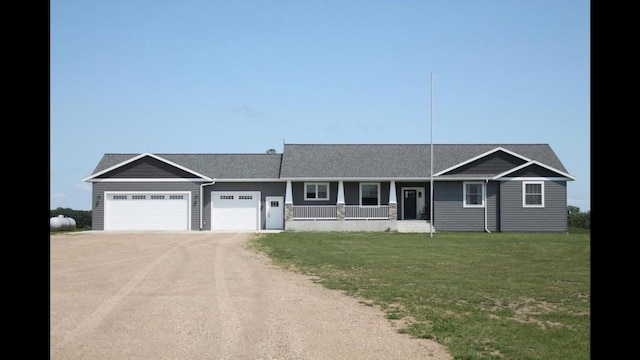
[202, 295]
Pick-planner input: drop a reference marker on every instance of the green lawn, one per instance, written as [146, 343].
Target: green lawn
[484, 296]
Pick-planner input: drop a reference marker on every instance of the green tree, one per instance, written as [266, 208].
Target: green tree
[578, 219]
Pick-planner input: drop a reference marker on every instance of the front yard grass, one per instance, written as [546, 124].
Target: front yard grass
[483, 295]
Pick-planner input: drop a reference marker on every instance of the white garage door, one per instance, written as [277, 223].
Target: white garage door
[147, 211]
[235, 210]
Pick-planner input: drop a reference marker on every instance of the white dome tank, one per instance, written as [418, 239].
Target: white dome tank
[60, 222]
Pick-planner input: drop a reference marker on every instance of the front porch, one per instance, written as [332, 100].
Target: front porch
[340, 211]
[341, 216]
[358, 224]
[350, 218]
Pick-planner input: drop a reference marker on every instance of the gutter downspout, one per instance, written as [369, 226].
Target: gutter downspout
[486, 226]
[202, 200]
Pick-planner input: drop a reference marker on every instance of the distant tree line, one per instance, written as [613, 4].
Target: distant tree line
[81, 217]
[578, 219]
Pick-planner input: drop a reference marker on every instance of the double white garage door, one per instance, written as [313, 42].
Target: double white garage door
[231, 210]
[147, 211]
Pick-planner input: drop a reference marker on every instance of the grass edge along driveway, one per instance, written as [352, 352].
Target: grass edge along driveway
[483, 295]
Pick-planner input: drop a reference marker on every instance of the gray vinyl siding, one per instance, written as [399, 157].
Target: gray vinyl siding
[516, 218]
[351, 193]
[265, 189]
[449, 213]
[99, 188]
[505, 212]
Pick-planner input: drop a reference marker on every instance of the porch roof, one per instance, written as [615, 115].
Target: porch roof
[354, 161]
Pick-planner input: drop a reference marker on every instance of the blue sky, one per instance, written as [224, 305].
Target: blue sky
[186, 76]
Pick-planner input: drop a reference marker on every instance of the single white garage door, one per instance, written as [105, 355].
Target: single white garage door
[147, 211]
[235, 210]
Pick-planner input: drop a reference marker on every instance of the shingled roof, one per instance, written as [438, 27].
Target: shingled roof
[215, 166]
[332, 161]
[394, 160]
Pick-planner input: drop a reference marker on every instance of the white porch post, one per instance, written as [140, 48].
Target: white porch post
[288, 204]
[393, 201]
[392, 192]
[288, 199]
[340, 209]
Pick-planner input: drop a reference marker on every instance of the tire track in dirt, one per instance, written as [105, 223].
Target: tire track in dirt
[95, 318]
[229, 314]
[243, 304]
[205, 296]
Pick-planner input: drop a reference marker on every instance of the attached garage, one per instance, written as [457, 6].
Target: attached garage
[235, 210]
[147, 211]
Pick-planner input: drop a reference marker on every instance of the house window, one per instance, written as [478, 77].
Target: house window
[370, 194]
[473, 194]
[316, 191]
[533, 194]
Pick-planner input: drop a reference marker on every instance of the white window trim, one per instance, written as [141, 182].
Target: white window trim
[524, 194]
[464, 194]
[316, 185]
[369, 183]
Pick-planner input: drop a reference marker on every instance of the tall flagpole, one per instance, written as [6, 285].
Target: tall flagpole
[431, 165]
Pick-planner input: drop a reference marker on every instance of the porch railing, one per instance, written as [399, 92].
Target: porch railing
[366, 212]
[330, 212]
[315, 212]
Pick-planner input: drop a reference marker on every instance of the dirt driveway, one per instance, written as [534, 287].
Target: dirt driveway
[204, 296]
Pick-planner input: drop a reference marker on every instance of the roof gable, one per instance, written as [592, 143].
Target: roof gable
[145, 165]
[533, 169]
[493, 162]
[503, 160]
[450, 156]
[197, 166]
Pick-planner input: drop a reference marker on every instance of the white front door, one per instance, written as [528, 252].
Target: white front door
[275, 212]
